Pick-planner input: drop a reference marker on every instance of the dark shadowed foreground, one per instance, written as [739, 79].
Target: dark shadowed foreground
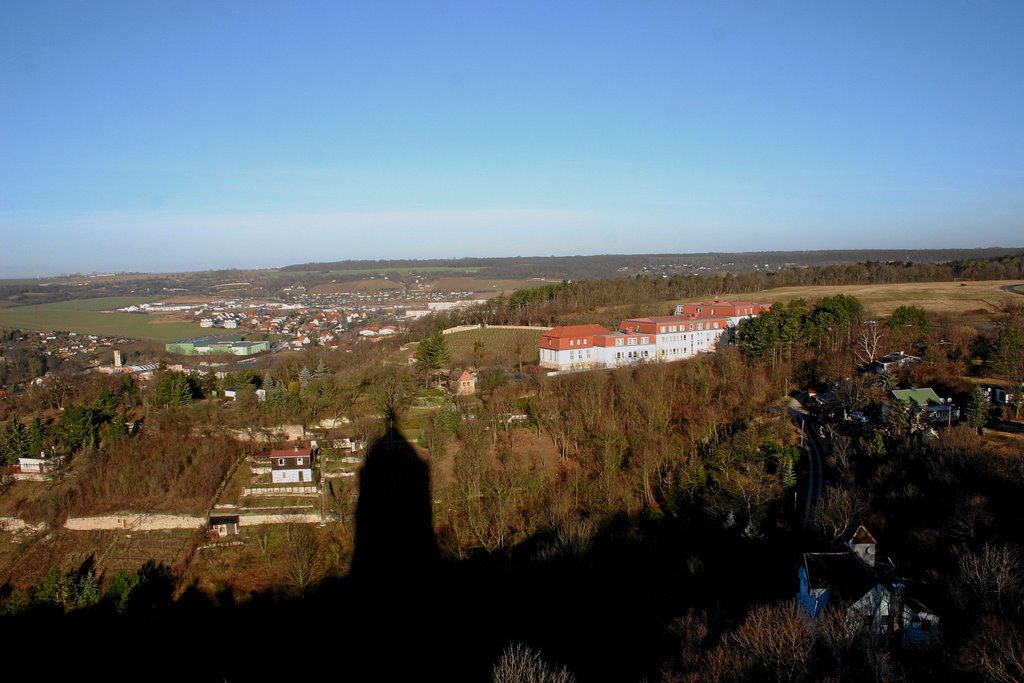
[596, 600]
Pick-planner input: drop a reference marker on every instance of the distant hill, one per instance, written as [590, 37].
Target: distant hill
[612, 265]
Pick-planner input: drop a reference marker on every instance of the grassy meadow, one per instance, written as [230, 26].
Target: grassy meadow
[970, 298]
[498, 346]
[376, 285]
[481, 284]
[92, 316]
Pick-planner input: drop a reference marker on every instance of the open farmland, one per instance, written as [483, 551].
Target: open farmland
[91, 316]
[938, 297]
[288, 272]
[972, 298]
[498, 346]
[372, 285]
[482, 284]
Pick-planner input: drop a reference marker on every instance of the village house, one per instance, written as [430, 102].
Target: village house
[894, 362]
[291, 466]
[855, 581]
[462, 383]
[927, 406]
[223, 526]
[41, 465]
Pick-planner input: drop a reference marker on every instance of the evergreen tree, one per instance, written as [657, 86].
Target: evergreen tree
[116, 429]
[912, 316]
[976, 411]
[173, 389]
[898, 419]
[36, 435]
[322, 371]
[14, 440]
[76, 428]
[304, 377]
[105, 405]
[432, 355]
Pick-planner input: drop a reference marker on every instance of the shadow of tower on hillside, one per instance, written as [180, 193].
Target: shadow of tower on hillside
[394, 527]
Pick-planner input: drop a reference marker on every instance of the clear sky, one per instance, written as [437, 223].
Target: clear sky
[148, 135]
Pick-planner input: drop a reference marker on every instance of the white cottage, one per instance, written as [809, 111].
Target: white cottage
[851, 580]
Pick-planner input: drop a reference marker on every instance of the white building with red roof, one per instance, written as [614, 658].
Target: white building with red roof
[570, 347]
[584, 347]
[679, 336]
[643, 340]
[733, 311]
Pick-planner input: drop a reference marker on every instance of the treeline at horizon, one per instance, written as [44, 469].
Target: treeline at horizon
[553, 304]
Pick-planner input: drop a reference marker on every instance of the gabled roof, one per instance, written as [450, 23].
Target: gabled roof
[862, 535]
[671, 319]
[846, 576]
[292, 453]
[896, 357]
[918, 397]
[566, 331]
[225, 519]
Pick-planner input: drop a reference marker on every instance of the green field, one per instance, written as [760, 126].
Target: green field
[499, 346]
[382, 271]
[86, 316]
[480, 284]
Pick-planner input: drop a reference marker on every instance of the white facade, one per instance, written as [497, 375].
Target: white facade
[677, 344]
[290, 476]
[291, 468]
[619, 350]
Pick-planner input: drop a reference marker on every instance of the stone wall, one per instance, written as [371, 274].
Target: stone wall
[137, 521]
[312, 490]
[16, 525]
[293, 518]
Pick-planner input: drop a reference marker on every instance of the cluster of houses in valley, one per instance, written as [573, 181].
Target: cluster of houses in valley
[692, 328]
[306, 326]
[66, 344]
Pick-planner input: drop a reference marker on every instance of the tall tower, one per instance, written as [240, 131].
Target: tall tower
[118, 359]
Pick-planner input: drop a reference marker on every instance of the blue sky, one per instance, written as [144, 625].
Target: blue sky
[190, 135]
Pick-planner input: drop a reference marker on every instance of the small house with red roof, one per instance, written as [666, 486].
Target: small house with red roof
[291, 466]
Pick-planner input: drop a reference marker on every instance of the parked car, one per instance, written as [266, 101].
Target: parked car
[1001, 396]
[859, 417]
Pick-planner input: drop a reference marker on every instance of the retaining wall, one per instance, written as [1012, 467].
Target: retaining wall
[282, 491]
[466, 328]
[135, 521]
[17, 525]
[251, 520]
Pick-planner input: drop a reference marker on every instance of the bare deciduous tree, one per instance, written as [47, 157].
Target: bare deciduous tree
[995, 651]
[521, 664]
[303, 556]
[778, 638]
[835, 513]
[867, 343]
[991, 576]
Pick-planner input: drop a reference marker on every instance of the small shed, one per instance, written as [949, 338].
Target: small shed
[223, 526]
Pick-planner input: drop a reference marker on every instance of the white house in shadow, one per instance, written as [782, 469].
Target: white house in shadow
[853, 580]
